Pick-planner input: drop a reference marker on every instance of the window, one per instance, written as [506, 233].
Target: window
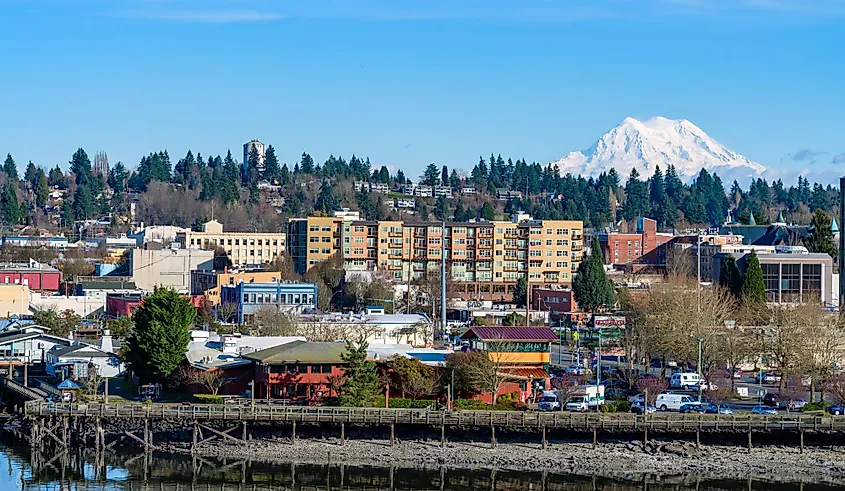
[811, 284]
[771, 275]
[790, 282]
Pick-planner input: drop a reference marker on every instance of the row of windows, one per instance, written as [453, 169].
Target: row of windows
[275, 298]
[237, 242]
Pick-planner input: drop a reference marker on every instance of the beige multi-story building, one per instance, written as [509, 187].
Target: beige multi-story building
[208, 283]
[484, 259]
[247, 249]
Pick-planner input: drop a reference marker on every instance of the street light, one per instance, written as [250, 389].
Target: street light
[700, 340]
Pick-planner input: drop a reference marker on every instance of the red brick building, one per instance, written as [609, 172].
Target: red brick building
[553, 300]
[646, 248]
[122, 305]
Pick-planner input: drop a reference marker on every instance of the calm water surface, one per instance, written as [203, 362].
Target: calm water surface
[160, 472]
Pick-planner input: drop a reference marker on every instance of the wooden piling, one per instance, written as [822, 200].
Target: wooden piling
[698, 438]
[244, 434]
[392, 434]
[293, 433]
[595, 438]
[442, 436]
[342, 433]
[749, 441]
[545, 442]
[801, 438]
[492, 436]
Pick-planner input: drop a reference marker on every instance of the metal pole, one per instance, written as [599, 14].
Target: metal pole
[452, 390]
[598, 372]
[698, 252]
[443, 279]
[699, 369]
[841, 243]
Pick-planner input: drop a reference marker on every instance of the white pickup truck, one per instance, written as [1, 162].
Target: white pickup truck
[586, 397]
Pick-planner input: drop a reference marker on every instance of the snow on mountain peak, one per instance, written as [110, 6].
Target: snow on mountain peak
[660, 142]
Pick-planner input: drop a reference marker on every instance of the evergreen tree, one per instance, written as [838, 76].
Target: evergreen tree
[80, 166]
[361, 386]
[326, 201]
[444, 176]
[41, 189]
[820, 239]
[729, 276]
[306, 164]
[592, 288]
[636, 192]
[252, 172]
[431, 176]
[753, 289]
[520, 292]
[10, 168]
[31, 175]
[157, 345]
[67, 213]
[117, 178]
[57, 178]
[455, 181]
[83, 203]
[10, 207]
[272, 171]
[284, 176]
[441, 208]
[487, 212]
[400, 177]
[461, 214]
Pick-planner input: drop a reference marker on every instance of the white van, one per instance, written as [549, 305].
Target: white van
[685, 380]
[673, 402]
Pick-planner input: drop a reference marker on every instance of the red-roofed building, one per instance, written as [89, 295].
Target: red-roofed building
[522, 354]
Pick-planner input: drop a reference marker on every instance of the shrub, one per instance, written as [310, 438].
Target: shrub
[468, 404]
[814, 406]
[623, 406]
[401, 403]
[208, 399]
[608, 407]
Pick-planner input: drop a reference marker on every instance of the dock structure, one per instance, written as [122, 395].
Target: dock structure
[61, 423]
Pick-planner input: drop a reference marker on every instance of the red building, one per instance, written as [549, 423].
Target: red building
[553, 300]
[299, 371]
[122, 305]
[646, 248]
[38, 278]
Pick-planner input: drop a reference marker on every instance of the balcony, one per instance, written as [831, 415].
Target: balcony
[577, 236]
[577, 247]
[395, 234]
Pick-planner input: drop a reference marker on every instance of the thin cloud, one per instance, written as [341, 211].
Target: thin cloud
[199, 16]
[806, 154]
[839, 159]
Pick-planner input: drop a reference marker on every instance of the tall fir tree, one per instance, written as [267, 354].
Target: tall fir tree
[31, 175]
[41, 190]
[753, 289]
[10, 168]
[636, 192]
[729, 276]
[360, 387]
[820, 238]
[272, 171]
[306, 164]
[593, 290]
[10, 207]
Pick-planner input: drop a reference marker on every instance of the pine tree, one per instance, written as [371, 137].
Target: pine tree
[444, 176]
[441, 208]
[487, 212]
[157, 345]
[117, 178]
[455, 181]
[361, 387]
[10, 168]
[252, 166]
[41, 189]
[593, 289]
[636, 192]
[31, 175]
[431, 176]
[57, 178]
[306, 164]
[83, 203]
[272, 171]
[284, 176]
[520, 292]
[820, 239]
[80, 166]
[753, 289]
[729, 275]
[10, 207]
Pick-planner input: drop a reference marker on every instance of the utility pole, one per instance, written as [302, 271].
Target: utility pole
[841, 243]
[443, 279]
[699, 369]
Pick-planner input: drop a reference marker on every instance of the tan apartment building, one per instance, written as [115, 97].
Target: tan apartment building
[247, 249]
[484, 259]
[208, 283]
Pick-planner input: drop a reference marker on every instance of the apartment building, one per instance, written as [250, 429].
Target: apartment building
[247, 249]
[312, 240]
[208, 283]
[484, 259]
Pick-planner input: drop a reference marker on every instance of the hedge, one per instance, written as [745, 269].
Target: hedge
[814, 406]
[208, 399]
[401, 403]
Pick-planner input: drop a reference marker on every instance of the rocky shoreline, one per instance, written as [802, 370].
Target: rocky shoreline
[613, 460]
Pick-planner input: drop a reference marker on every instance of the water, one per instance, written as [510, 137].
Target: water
[163, 472]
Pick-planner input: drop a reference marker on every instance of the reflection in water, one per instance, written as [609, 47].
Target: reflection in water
[159, 472]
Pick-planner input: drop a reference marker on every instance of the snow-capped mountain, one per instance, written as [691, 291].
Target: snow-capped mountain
[660, 141]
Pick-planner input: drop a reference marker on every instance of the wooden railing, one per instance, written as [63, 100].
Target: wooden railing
[20, 389]
[375, 416]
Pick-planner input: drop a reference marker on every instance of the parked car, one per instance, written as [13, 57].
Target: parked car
[735, 374]
[637, 408]
[772, 399]
[793, 404]
[576, 370]
[765, 410]
[694, 407]
[718, 409]
[767, 377]
[836, 409]
[636, 398]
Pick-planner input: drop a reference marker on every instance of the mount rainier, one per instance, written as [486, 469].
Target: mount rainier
[659, 141]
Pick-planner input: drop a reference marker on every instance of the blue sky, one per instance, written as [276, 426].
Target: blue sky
[412, 82]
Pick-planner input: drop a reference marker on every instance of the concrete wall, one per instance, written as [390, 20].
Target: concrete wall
[167, 267]
[82, 306]
[14, 300]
